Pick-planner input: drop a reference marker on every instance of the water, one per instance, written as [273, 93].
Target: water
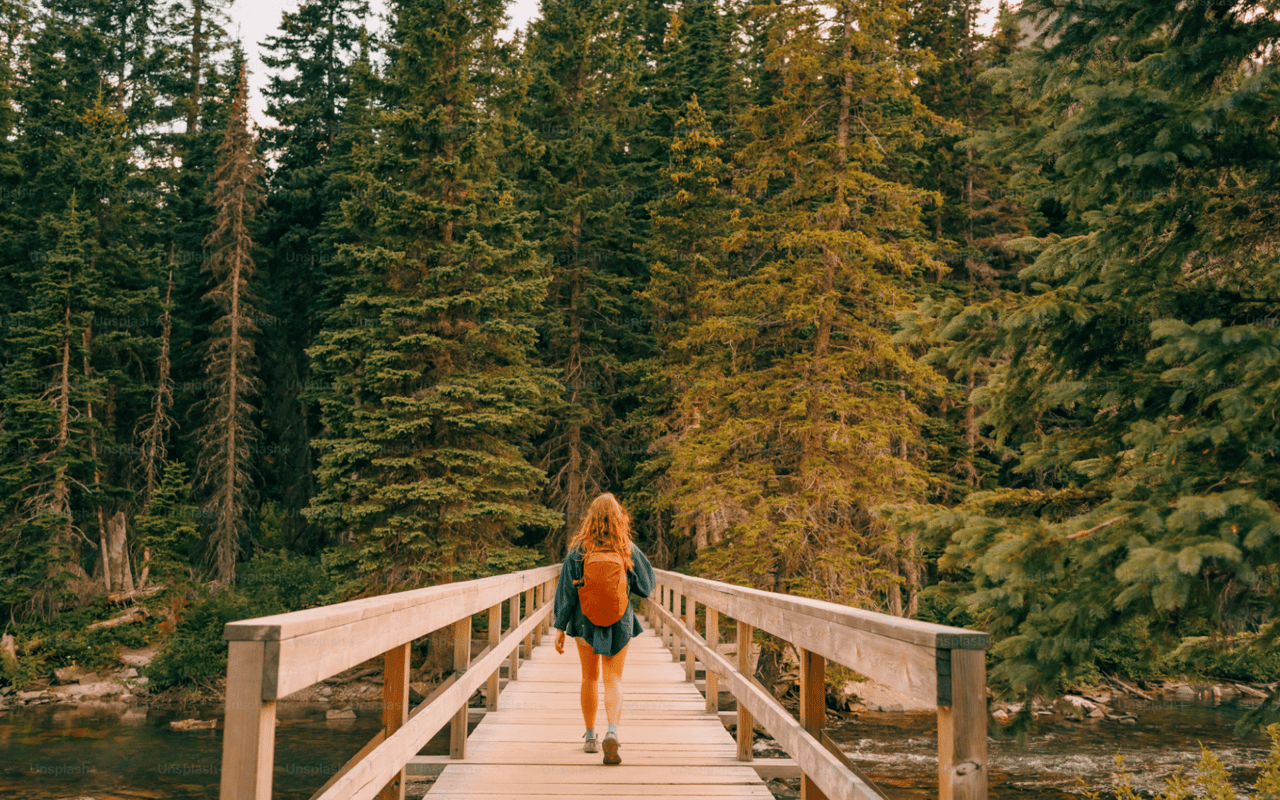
[57, 752]
[91, 751]
[1062, 759]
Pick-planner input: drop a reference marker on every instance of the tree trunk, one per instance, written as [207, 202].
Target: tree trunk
[118, 546]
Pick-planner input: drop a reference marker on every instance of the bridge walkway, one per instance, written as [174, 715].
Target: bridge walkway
[531, 747]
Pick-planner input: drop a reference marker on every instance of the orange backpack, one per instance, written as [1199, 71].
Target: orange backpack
[602, 590]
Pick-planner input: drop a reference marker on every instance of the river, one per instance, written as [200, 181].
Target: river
[64, 752]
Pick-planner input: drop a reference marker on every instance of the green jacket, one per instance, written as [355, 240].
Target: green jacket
[570, 619]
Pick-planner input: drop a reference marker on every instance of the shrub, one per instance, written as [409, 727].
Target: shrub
[1209, 779]
[271, 583]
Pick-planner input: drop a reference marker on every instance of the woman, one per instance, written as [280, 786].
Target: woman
[605, 527]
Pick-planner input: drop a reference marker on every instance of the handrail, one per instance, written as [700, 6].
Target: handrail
[937, 663]
[271, 657]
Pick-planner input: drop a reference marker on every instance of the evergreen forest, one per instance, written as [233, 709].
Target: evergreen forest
[857, 301]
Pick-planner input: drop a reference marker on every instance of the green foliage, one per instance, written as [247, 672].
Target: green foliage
[434, 393]
[1239, 660]
[1209, 779]
[168, 529]
[793, 413]
[64, 640]
[269, 583]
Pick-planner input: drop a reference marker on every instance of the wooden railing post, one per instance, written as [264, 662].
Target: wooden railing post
[746, 737]
[675, 633]
[395, 707]
[713, 680]
[513, 615]
[962, 725]
[461, 660]
[249, 725]
[528, 611]
[660, 627]
[495, 635]
[813, 709]
[542, 599]
[690, 619]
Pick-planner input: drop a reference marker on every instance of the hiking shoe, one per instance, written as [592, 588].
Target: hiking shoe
[592, 745]
[611, 748]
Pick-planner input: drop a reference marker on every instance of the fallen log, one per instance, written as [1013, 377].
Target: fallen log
[125, 597]
[1131, 689]
[132, 615]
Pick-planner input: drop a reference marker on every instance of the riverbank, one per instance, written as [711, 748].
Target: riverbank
[361, 687]
[112, 750]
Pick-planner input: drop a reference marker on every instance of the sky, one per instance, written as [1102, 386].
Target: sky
[255, 20]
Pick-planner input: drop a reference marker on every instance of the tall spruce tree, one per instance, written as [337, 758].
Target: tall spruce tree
[802, 413]
[689, 221]
[311, 58]
[422, 475]
[44, 431]
[77, 138]
[581, 103]
[1141, 360]
[229, 434]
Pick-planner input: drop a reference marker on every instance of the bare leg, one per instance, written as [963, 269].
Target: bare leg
[590, 676]
[613, 685]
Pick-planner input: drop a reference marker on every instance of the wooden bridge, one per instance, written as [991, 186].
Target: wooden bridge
[529, 745]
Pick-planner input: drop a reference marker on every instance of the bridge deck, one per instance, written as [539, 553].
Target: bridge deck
[531, 746]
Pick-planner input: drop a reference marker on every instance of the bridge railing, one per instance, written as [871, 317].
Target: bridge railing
[937, 664]
[272, 657]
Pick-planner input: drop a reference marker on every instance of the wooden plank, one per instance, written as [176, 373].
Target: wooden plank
[925, 634]
[746, 732]
[676, 637]
[603, 794]
[493, 685]
[248, 741]
[825, 769]
[513, 614]
[813, 710]
[365, 780]
[395, 708]
[528, 609]
[590, 774]
[902, 665]
[461, 661]
[308, 658]
[962, 730]
[713, 640]
[537, 751]
[690, 622]
[764, 768]
[425, 606]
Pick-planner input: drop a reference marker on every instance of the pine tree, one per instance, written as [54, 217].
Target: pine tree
[422, 476]
[1139, 359]
[228, 436]
[802, 417]
[312, 58]
[152, 429]
[166, 531]
[580, 105]
[75, 139]
[44, 432]
[983, 225]
[689, 219]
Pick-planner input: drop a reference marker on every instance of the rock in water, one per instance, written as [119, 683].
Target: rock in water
[1073, 706]
[344, 713]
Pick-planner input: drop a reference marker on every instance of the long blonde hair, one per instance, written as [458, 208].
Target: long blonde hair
[606, 526]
